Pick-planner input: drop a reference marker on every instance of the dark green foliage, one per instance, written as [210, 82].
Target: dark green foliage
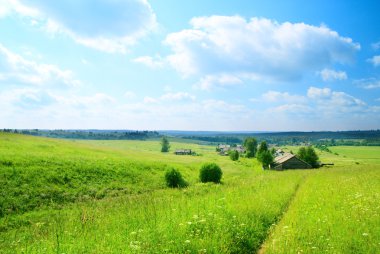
[263, 147]
[308, 155]
[216, 139]
[250, 145]
[234, 155]
[174, 179]
[210, 172]
[165, 146]
[266, 158]
[90, 134]
[264, 155]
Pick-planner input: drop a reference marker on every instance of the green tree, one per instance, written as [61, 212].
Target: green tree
[263, 147]
[234, 155]
[264, 155]
[266, 158]
[308, 155]
[250, 145]
[165, 146]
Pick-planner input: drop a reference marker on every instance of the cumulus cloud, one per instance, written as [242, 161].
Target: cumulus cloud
[120, 26]
[27, 98]
[180, 96]
[317, 103]
[151, 62]
[129, 95]
[16, 69]
[221, 80]
[149, 100]
[370, 83]
[291, 108]
[331, 75]
[275, 96]
[327, 97]
[260, 47]
[375, 60]
[317, 93]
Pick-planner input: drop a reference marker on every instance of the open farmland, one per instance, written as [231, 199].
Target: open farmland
[62, 196]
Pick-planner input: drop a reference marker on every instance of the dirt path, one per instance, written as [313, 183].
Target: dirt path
[284, 211]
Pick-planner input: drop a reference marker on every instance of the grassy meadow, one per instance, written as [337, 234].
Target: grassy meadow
[60, 196]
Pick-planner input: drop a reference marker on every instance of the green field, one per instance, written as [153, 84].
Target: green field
[59, 196]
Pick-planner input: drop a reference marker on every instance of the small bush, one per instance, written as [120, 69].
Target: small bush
[174, 179]
[234, 155]
[210, 172]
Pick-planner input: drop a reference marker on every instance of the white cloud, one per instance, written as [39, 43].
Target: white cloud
[291, 108]
[180, 96]
[120, 26]
[16, 69]
[149, 100]
[331, 99]
[375, 60]
[317, 93]
[220, 80]
[154, 63]
[26, 98]
[92, 101]
[259, 47]
[370, 83]
[275, 96]
[331, 75]
[318, 103]
[129, 95]
[7, 7]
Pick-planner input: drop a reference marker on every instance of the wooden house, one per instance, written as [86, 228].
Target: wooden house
[183, 152]
[289, 161]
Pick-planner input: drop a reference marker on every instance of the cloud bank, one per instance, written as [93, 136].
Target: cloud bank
[120, 25]
[256, 48]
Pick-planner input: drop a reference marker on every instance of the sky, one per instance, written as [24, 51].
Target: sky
[190, 65]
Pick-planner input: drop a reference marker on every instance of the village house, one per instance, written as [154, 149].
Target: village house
[224, 149]
[183, 152]
[289, 161]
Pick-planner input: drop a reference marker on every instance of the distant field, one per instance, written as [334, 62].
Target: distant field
[109, 197]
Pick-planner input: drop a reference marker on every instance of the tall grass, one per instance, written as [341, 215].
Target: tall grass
[110, 197]
[335, 211]
[205, 218]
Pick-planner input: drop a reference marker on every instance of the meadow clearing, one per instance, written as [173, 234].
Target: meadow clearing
[60, 196]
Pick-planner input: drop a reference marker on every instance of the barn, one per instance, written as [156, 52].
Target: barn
[183, 152]
[289, 161]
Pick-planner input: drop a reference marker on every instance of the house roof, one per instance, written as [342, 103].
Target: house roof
[284, 157]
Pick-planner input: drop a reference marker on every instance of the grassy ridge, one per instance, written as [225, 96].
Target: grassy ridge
[38, 172]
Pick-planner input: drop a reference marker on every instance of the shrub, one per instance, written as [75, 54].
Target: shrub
[174, 179]
[210, 172]
[234, 155]
[308, 155]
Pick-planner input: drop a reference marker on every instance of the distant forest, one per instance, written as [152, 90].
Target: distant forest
[325, 138]
[90, 134]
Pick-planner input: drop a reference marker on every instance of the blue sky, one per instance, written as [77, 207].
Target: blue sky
[190, 65]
